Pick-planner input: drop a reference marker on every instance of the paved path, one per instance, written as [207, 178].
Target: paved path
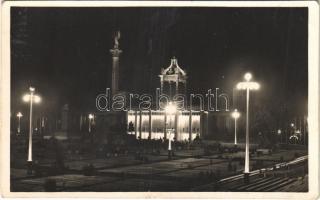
[127, 174]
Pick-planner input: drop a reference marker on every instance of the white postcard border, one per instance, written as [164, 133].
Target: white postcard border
[313, 99]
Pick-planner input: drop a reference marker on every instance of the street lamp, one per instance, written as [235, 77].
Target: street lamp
[279, 133]
[36, 99]
[91, 116]
[292, 130]
[247, 85]
[235, 114]
[170, 110]
[19, 115]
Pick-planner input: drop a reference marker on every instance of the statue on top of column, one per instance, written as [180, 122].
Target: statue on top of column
[116, 39]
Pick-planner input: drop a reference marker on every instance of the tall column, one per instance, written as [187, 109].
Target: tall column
[115, 52]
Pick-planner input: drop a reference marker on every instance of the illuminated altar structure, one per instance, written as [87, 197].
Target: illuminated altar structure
[154, 124]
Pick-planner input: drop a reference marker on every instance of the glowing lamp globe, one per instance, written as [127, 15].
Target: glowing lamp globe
[19, 114]
[36, 98]
[235, 114]
[91, 116]
[248, 76]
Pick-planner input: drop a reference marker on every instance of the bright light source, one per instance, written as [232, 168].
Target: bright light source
[235, 114]
[248, 76]
[170, 108]
[248, 85]
[26, 98]
[292, 124]
[36, 99]
[19, 114]
[279, 131]
[91, 116]
[31, 89]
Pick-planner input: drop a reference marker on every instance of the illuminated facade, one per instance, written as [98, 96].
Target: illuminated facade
[157, 124]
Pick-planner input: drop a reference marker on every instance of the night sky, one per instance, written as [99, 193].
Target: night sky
[64, 52]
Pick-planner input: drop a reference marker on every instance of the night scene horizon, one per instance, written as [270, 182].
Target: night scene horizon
[242, 127]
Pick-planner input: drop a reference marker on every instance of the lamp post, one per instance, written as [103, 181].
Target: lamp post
[235, 114]
[298, 134]
[36, 99]
[19, 115]
[247, 85]
[90, 120]
[90, 117]
[170, 110]
[292, 130]
[279, 133]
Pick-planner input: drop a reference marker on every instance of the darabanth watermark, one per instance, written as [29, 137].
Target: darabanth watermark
[210, 101]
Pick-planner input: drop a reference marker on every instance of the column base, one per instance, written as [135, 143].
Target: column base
[246, 178]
